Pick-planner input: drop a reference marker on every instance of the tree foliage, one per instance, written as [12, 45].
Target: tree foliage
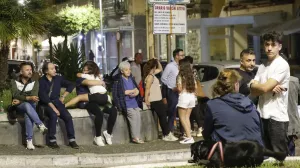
[79, 18]
[18, 21]
[69, 60]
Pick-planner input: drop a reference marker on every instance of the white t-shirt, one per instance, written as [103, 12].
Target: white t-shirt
[96, 88]
[136, 72]
[274, 106]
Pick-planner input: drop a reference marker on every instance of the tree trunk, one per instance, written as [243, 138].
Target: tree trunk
[4, 51]
[66, 41]
[50, 47]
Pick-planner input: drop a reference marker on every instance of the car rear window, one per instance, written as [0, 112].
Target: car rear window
[207, 73]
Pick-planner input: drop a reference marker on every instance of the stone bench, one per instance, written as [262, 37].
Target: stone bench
[84, 129]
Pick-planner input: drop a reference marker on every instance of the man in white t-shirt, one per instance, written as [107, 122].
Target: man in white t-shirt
[271, 84]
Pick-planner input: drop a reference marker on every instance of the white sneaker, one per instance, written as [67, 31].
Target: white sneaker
[30, 146]
[99, 141]
[187, 141]
[199, 132]
[43, 129]
[107, 137]
[170, 137]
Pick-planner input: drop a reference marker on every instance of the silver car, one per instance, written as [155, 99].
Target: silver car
[209, 71]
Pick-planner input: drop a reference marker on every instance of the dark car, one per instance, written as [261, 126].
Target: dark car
[13, 68]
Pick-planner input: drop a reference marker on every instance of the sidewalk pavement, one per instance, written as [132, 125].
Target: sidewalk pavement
[151, 154]
[94, 156]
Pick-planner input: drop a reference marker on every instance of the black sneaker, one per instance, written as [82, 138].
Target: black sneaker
[53, 145]
[73, 145]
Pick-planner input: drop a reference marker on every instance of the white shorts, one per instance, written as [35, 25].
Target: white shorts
[186, 100]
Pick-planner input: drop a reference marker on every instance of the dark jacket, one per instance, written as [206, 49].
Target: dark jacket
[294, 92]
[232, 117]
[17, 86]
[58, 83]
[118, 93]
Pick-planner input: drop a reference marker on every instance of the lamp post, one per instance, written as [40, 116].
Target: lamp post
[100, 38]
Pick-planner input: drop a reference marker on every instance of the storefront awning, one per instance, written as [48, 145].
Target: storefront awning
[288, 27]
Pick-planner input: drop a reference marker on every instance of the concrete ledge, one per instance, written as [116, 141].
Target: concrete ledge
[94, 160]
[84, 129]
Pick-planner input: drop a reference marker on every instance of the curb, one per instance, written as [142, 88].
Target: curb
[103, 160]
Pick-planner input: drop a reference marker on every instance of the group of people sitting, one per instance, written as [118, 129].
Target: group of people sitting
[229, 116]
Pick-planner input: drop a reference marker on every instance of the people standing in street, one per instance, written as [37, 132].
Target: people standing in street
[271, 84]
[169, 80]
[153, 97]
[49, 94]
[186, 87]
[136, 70]
[24, 93]
[247, 70]
[196, 115]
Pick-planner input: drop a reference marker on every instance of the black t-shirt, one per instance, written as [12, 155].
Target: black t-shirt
[246, 78]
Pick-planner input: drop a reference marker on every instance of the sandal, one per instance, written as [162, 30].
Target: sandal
[137, 141]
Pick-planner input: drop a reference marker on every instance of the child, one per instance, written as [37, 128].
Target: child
[125, 94]
[186, 86]
[97, 89]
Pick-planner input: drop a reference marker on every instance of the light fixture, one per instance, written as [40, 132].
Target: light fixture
[21, 2]
[80, 37]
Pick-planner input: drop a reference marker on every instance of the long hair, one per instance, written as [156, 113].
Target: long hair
[151, 64]
[225, 82]
[92, 68]
[187, 76]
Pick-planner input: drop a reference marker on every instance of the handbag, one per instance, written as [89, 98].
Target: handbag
[41, 109]
[199, 90]
[12, 109]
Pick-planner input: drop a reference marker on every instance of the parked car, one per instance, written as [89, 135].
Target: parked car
[209, 71]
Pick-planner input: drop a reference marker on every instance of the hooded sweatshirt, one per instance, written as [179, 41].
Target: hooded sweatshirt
[232, 118]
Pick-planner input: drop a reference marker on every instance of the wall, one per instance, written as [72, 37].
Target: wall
[240, 31]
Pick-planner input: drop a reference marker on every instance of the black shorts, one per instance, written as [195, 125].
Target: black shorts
[100, 99]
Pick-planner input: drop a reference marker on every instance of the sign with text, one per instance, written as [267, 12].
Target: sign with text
[168, 19]
[169, 1]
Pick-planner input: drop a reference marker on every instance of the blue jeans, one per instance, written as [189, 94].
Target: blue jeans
[30, 117]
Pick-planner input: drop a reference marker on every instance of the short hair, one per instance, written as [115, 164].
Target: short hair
[246, 52]
[137, 54]
[45, 67]
[274, 36]
[190, 59]
[25, 64]
[176, 51]
[125, 59]
[124, 65]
